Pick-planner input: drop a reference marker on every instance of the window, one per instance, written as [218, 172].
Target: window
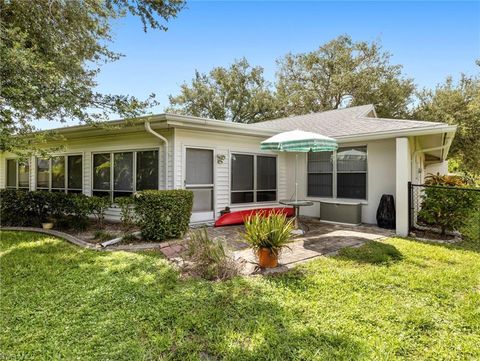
[18, 174]
[352, 173]
[120, 174]
[340, 174]
[320, 174]
[62, 173]
[253, 178]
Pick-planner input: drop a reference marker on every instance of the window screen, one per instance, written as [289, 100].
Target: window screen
[58, 172]
[43, 173]
[147, 170]
[123, 171]
[101, 171]
[320, 174]
[199, 166]
[75, 165]
[352, 172]
[11, 173]
[23, 175]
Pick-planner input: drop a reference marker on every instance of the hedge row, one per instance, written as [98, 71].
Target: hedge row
[161, 214]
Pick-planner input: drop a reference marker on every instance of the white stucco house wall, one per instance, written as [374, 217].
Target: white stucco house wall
[224, 166]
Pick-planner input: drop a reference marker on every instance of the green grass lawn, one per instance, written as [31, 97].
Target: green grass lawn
[396, 299]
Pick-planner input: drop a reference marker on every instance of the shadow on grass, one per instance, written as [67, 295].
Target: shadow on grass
[372, 252]
[139, 308]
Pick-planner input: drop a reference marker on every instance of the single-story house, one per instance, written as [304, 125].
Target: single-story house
[221, 162]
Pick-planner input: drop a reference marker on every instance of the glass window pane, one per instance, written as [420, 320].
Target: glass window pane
[101, 171]
[101, 194]
[266, 196]
[199, 166]
[43, 166]
[242, 172]
[320, 162]
[352, 185]
[58, 172]
[242, 197]
[11, 173]
[147, 170]
[123, 171]
[24, 175]
[266, 173]
[353, 159]
[75, 172]
[320, 185]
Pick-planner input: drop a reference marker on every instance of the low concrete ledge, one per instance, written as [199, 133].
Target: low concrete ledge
[67, 237]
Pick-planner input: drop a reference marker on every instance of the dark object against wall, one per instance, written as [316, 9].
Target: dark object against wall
[386, 212]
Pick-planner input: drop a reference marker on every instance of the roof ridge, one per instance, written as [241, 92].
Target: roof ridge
[401, 120]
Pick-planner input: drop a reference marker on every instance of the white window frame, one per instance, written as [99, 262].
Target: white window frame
[255, 190]
[17, 172]
[334, 175]
[65, 189]
[111, 191]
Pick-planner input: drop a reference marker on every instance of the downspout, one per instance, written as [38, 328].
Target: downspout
[149, 129]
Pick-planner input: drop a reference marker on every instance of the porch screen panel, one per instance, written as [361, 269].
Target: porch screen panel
[101, 173]
[266, 179]
[74, 181]
[242, 181]
[320, 174]
[11, 173]
[23, 175]
[58, 172]
[199, 166]
[123, 174]
[147, 170]
[43, 173]
[352, 172]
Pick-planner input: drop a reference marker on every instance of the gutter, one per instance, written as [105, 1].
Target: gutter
[149, 129]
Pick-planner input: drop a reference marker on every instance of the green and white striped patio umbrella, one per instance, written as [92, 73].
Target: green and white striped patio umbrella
[299, 141]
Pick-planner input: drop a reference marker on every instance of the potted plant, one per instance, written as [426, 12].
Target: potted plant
[268, 235]
[48, 223]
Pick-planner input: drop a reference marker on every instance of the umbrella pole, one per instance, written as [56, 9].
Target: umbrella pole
[296, 183]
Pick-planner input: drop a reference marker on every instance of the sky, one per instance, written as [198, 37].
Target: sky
[430, 39]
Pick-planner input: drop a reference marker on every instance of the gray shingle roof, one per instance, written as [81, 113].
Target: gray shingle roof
[345, 122]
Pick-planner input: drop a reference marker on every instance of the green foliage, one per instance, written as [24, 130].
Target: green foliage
[23, 208]
[97, 206]
[424, 306]
[445, 204]
[342, 73]
[238, 94]
[51, 54]
[127, 211]
[163, 214]
[207, 258]
[372, 252]
[129, 238]
[459, 104]
[272, 232]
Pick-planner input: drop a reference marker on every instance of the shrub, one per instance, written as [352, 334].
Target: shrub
[127, 211]
[446, 207]
[163, 214]
[97, 206]
[272, 232]
[207, 258]
[23, 208]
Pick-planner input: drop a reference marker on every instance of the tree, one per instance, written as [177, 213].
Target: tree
[51, 52]
[238, 94]
[342, 73]
[456, 103]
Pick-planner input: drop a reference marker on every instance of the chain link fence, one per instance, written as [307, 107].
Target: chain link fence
[444, 211]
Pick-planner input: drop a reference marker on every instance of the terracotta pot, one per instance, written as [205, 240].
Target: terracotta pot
[266, 258]
[48, 225]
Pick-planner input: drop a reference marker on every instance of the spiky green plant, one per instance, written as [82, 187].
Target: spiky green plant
[272, 231]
